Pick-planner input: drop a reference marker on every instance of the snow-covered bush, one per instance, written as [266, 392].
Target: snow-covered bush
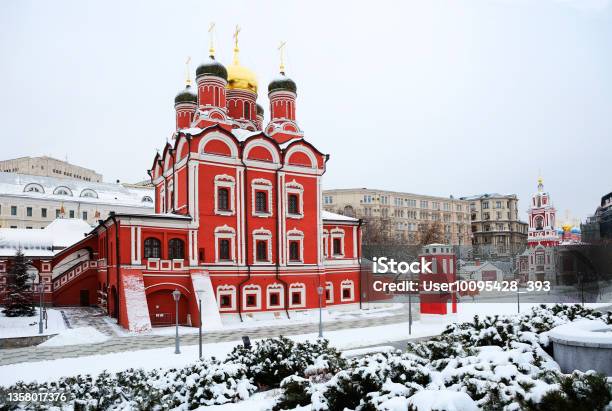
[270, 361]
[206, 382]
[500, 362]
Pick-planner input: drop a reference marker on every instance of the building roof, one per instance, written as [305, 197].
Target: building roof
[61, 233]
[488, 195]
[60, 189]
[326, 215]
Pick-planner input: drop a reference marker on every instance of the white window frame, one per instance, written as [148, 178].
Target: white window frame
[251, 289]
[347, 284]
[225, 181]
[329, 286]
[293, 187]
[170, 203]
[226, 290]
[295, 235]
[225, 232]
[275, 287]
[325, 242]
[261, 234]
[337, 233]
[297, 287]
[261, 184]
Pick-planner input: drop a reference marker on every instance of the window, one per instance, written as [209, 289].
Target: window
[347, 287]
[294, 250]
[251, 300]
[43, 212]
[29, 211]
[247, 111]
[337, 244]
[262, 250]
[176, 249]
[274, 298]
[57, 212]
[152, 248]
[89, 193]
[223, 200]
[225, 301]
[62, 191]
[147, 199]
[329, 292]
[71, 213]
[224, 249]
[261, 202]
[296, 298]
[293, 204]
[84, 215]
[13, 210]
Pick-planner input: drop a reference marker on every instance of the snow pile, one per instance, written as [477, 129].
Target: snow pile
[75, 336]
[430, 400]
[584, 331]
[28, 326]
[137, 310]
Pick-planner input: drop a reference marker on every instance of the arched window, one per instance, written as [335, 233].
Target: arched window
[33, 188]
[176, 249]
[247, 111]
[89, 193]
[62, 191]
[147, 199]
[152, 248]
[261, 202]
[223, 203]
[539, 222]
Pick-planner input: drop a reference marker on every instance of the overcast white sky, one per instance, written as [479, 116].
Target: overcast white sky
[430, 97]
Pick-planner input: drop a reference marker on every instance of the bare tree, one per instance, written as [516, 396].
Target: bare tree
[430, 232]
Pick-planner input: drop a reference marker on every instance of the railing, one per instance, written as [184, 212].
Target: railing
[72, 273]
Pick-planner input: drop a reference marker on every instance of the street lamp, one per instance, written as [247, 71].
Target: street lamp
[176, 294]
[41, 287]
[320, 292]
[200, 292]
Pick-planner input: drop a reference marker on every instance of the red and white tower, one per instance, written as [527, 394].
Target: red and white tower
[437, 304]
[542, 236]
[185, 104]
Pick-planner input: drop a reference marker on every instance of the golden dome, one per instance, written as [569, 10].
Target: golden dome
[566, 227]
[240, 77]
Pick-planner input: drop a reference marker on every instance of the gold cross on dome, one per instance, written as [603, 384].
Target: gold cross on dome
[281, 48]
[236, 32]
[211, 38]
[187, 75]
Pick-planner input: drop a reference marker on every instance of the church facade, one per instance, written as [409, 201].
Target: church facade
[238, 219]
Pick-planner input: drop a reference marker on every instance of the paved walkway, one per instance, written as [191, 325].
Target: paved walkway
[87, 317]
[147, 341]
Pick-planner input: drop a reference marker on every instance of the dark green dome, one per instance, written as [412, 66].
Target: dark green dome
[260, 110]
[186, 96]
[212, 67]
[282, 83]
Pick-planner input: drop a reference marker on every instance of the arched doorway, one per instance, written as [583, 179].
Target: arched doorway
[162, 308]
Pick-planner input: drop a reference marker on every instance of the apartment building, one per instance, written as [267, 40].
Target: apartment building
[49, 167]
[495, 224]
[404, 212]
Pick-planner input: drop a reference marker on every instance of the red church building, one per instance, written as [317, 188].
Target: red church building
[238, 214]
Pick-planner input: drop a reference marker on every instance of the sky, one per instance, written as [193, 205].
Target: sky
[433, 97]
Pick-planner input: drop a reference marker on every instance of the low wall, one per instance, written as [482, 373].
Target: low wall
[20, 342]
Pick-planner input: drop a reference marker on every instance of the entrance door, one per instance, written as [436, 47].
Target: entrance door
[84, 298]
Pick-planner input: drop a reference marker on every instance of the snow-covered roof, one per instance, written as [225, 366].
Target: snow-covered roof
[326, 215]
[470, 268]
[60, 189]
[61, 233]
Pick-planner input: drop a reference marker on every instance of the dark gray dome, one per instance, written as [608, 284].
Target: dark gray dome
[282, 83]
[212, 67]
[260, 110]
[186, 96]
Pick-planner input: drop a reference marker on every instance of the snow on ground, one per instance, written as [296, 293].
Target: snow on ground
[28, 326]
[301, 317]
[165, 357]
[75, 336]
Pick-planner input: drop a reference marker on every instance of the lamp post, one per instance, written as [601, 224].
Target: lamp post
[176, 294]
[200, 292]
[320, 292]
[41, 287]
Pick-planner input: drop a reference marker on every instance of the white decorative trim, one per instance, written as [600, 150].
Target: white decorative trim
[261, 143]
[225, 181]
[261, 184]
[262, 234]
[225, 232]
[226, 290]
[275, 287]
[301, 149]
[217, 136]
[297, 288]
[251, 289]
[329, 286]
[334, 234]
[295, 235]
[347, 285]
[293, 187]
